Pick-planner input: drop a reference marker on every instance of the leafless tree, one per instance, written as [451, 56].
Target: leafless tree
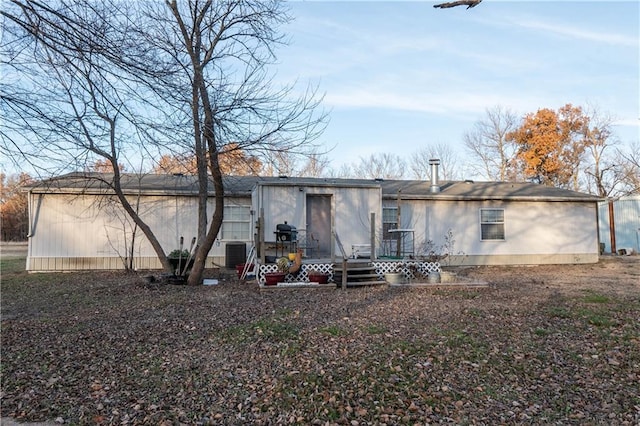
[66, 99]
[343, 172]
[629, 159]
[189, 77]
[603, 171]
[223, 49]
[487, 143]
[450, 168]
[383, 165]
[315, 165]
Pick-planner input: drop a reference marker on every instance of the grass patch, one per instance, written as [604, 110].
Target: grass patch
[13, 265]
[276, 329]
[559, 312]
[597, 318]
[376, 329]
[333, 330]
[475, 312]
[593, 297]
[269, 328]
[539, 331]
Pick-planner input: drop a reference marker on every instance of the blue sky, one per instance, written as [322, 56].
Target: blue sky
[399, 75]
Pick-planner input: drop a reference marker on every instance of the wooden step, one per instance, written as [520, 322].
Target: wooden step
[355, 268]
[360, 277]
[359, 274]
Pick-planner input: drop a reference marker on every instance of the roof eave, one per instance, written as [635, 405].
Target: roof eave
[445, 197]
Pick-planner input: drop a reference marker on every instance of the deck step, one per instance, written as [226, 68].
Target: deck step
[359, 277]
[355, 268]
[358, 274]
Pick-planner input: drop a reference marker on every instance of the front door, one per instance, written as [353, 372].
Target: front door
[319, 222]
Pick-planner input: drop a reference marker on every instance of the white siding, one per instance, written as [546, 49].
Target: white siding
[351, 210]
[90, 232]
[626, 217]
[353, 215]
[535, 230]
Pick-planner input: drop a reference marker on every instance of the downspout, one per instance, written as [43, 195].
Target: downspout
[612, 228]
[263, 246]
[33, 222]
[29, 207]
[398, 223]
[29, 233]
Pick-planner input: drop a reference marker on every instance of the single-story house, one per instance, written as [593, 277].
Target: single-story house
[620, 225]
[76, 223]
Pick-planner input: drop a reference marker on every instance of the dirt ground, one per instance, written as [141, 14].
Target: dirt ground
[616, 274]
[548, 344]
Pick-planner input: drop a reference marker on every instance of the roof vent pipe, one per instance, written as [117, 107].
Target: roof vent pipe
[435, 187]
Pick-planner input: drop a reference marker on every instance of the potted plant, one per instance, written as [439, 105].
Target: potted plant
[395, 275]
[273, 278]
[316, 276]
[178, 259]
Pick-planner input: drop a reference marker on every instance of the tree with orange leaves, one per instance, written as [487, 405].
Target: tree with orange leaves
[233, 162]
[550, 145]
[14, 209]
[104, 166]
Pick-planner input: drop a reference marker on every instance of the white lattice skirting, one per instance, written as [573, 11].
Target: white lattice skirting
[408, 268]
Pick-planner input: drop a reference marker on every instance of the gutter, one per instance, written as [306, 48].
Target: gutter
[444, 197]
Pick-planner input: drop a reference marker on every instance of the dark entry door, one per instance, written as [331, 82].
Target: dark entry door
[319, 222]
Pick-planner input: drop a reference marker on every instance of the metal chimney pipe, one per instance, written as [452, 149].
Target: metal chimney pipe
[435, 186]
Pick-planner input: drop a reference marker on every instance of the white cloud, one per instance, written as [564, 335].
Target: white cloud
[579, 33]
[628, 122]
[453, 102]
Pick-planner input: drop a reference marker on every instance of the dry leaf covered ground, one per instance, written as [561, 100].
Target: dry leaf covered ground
[541, 345]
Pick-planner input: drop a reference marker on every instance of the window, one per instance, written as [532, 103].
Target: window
[491, 224]
[237, 223]
[389, 221]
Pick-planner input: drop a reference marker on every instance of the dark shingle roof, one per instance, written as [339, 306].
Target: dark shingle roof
[469, 190]
[157, 184]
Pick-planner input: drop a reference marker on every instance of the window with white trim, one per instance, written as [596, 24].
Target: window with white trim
[491, 224]
[389, 221]
[236, 224]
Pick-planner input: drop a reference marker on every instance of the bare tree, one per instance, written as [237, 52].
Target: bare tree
[344, 171]
[68, 103]
[449, 164]
[315, 165]
[382, 165]
[488, 144]
[280, 163]
[629, 159]
[223, 50]
[603, 172]
[188, 77]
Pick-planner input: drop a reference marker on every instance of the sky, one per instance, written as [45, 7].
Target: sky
[401, 75]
